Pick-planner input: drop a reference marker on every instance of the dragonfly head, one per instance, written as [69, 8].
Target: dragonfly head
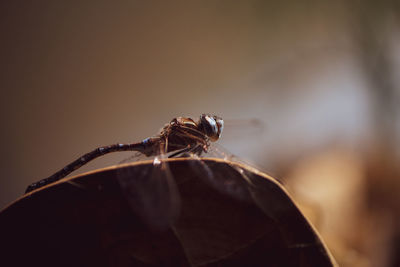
[212, 126]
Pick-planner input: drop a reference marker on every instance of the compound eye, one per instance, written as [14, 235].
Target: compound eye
[212, 125]
[220, 125]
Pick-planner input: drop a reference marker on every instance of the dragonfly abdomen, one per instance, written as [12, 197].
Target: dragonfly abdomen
[98, 152]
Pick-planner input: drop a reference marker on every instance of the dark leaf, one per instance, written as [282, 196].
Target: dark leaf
[231, 221]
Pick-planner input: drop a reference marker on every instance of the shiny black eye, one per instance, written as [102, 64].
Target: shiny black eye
[212, 126]
[220, 125]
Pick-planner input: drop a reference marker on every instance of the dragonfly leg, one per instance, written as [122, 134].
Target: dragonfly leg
[197, 150]
[185, 152]
[181, 151]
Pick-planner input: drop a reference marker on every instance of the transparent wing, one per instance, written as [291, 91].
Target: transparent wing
[203, 168]
[238, 128]
[225, 184]
[151, 191]
[255, 187]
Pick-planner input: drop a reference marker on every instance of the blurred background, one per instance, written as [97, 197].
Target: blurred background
[322, 77]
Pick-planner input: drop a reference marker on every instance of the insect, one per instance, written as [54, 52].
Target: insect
[180, 136]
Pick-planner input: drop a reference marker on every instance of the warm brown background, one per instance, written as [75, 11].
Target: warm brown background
[323, 77]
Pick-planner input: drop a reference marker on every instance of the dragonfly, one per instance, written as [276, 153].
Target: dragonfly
[180, 136]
